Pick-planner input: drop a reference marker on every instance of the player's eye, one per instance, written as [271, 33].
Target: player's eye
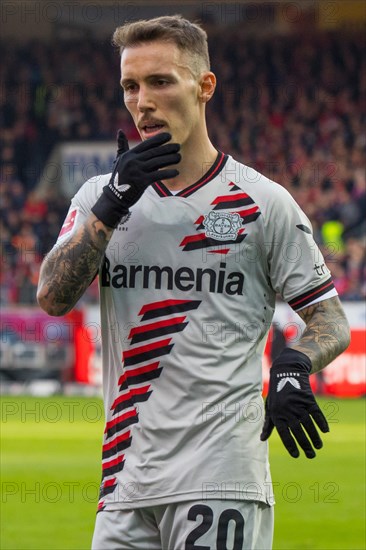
[129, 87]
[161, 82]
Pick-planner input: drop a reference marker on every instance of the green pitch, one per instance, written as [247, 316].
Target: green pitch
[50, 471]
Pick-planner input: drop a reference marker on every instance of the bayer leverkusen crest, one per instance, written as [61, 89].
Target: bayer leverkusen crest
[222, 226]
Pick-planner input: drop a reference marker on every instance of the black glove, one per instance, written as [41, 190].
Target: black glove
[291, 403]
[133, 172]
[122, 145]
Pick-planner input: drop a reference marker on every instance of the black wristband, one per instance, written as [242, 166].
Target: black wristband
[108, 208]
[292, 357]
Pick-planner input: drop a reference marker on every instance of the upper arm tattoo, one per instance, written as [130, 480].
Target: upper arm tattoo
[69, 268]
[326, 334]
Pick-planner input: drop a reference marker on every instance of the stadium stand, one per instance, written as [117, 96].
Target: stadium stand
[291, 107]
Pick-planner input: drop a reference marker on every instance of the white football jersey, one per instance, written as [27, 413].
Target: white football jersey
[187, 291]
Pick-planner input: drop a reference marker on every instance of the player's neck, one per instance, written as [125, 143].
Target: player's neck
[197, 159]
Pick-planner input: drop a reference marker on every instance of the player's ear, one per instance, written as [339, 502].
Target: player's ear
[207, 85]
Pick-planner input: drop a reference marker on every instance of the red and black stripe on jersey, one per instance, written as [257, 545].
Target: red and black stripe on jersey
[196, 242]
[249, 214]
[114, 465]
[130, 397]
[108, 487]
[237, 201]
[151, 330]
[134, 382]
[121, 421]
[234, 201]
[142, 374]
[120, 443]
[167, 307]
[311, 295]
[147, 352]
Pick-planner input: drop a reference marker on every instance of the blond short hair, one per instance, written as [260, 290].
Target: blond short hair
[189, 37]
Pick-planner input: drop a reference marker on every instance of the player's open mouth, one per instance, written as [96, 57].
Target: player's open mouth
[152, 128]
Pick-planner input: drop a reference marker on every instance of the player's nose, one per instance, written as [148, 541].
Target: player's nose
[144, 100]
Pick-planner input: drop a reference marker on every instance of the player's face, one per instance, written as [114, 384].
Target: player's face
[160, 91]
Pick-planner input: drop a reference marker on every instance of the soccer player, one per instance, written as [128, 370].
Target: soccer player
[191, 248]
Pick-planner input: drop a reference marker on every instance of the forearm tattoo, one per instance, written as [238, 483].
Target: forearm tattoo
[69, 268]
[326, 334]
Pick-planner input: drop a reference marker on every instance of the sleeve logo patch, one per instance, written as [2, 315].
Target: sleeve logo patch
[222, 226]
[69, 222]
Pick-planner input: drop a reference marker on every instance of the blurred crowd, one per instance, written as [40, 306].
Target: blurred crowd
[292, 107]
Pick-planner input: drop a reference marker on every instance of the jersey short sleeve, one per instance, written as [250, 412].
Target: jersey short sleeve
[296, 265]
[81, 205]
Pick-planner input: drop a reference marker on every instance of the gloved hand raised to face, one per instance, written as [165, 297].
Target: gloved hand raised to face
[291, 405]
[134, 170]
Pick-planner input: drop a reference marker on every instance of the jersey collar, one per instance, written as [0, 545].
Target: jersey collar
[211, 173]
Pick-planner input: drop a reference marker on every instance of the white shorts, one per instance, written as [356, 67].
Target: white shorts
[208, 525]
